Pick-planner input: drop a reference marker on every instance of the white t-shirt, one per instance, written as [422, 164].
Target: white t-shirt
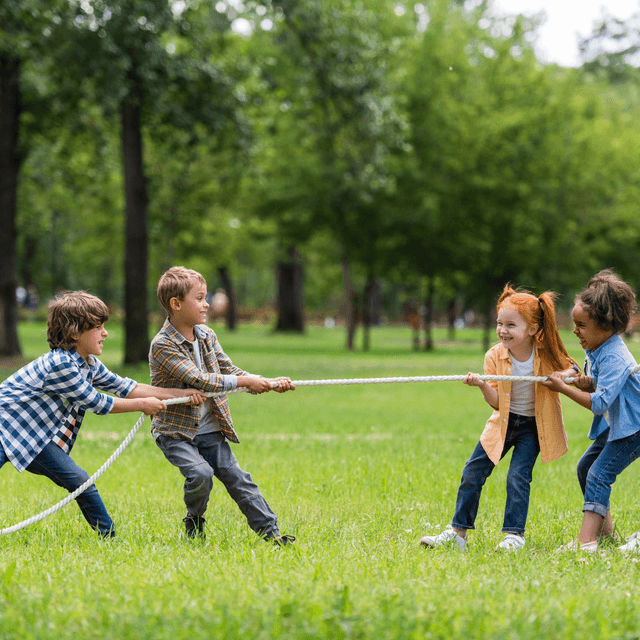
[208, 422]
[523, 394]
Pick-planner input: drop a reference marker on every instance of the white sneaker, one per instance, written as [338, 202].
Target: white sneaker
[511, 542]
[633, 543]
[575, 545]
[448, 537]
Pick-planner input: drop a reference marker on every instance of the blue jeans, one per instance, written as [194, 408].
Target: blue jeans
[600, 466]
[53, 463]
[522, 436]
[210, 455]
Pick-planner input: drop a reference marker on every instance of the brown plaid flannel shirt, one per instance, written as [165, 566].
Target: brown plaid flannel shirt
[173, 365]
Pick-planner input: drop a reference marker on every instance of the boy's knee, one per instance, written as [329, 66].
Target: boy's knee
[201, 474]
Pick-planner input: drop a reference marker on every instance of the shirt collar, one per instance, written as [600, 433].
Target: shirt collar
[80, 361]
[609, 342]
[175, 335]
[503, 352]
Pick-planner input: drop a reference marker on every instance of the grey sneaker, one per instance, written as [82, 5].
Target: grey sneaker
[448, 537]
[511, 542]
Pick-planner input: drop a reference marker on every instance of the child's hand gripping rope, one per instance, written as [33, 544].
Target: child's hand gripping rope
[280, 385]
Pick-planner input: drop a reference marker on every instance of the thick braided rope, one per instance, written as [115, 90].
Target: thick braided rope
[298, 383]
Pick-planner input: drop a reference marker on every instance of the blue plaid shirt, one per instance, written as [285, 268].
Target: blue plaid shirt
[46, 401]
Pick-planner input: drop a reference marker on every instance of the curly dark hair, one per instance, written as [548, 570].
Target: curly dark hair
[609, 301]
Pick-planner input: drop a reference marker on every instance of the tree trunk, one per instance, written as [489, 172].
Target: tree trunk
[488, 325]
[428, 316]
[135, 291]
[289, 277]
[451, 318]
[350, 303]
[370, 311]
[232, 309]
[10, 161]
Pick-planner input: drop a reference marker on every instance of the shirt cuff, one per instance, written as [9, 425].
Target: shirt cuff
[229, 382]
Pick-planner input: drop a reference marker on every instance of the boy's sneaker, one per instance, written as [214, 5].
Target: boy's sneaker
[633, 543]
[576, 545]
[194, 527]
[283, 541]
[448, 537]
[511, 542]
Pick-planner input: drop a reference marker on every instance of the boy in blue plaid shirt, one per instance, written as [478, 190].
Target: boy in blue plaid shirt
[186, 353]
[42, 405]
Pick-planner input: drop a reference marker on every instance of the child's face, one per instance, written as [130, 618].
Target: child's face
[90, 341]
[194, 308]
[590, 334]
[514, 332]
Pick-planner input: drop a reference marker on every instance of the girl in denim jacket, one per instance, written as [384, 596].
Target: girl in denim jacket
[609, 389]
[526, 415]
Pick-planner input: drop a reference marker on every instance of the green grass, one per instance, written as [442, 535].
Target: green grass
[356, 473]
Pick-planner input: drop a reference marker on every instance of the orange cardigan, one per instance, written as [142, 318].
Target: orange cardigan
[551, 433]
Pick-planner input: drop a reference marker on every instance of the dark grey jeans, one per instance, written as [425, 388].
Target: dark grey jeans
[210, 455]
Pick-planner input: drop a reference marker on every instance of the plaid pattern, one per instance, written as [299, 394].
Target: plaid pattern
[55, 389]
[173, 364]
[66, 437]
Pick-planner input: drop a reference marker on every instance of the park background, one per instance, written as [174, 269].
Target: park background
[336, 167]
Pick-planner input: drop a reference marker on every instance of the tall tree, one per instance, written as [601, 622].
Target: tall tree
[141, 64]
[335, 115]
[24, 37]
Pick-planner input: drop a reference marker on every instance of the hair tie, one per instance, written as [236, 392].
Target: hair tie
[541, 305]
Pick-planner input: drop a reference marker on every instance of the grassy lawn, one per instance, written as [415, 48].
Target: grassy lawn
[358, 474]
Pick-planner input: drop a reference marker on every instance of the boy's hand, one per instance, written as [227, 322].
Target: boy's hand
[282, 384]
[151, 406]
[254, 384]
[195, 396]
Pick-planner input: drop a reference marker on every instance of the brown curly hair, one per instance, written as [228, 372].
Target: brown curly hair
[71, 313]
[609, 301]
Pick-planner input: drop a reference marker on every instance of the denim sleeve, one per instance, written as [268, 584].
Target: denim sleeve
[613, 373]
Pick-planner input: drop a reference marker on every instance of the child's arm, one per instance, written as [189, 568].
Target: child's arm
[262, 385]
[142, 390]
[150, 406]
[556, 383]
[489, 393]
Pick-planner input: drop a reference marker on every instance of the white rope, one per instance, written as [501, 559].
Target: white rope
[296, 383]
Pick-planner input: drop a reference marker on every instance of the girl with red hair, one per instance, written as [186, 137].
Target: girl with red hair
[527, 416]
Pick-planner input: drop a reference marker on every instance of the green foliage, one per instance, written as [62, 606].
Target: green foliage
[413, 139]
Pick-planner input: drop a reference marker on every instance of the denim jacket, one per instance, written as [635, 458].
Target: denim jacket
[616, 400]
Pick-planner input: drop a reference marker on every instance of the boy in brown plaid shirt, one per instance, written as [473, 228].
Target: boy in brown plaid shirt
[186, 353]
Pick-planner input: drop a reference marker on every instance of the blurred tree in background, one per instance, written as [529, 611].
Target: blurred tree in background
[329, 158]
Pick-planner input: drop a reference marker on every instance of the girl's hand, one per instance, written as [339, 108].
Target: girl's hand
[586, 383]
[473, 380]
[556, 381]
